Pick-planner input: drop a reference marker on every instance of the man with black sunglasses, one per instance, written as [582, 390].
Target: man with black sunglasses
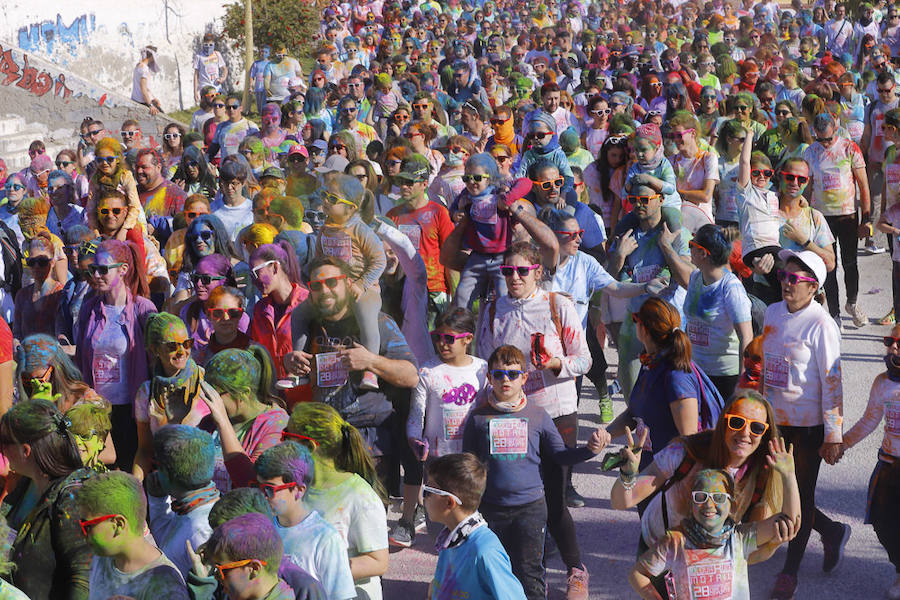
[232, 132]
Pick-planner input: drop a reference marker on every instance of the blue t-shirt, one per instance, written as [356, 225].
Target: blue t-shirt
[657, 386]
[477, 568]
[712, 312]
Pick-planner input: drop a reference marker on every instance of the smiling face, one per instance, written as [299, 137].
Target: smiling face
[111, 214]
[477, 187]
[173, 361]
[709, 515]
[329, 301]
[742, 444]
[206, 273]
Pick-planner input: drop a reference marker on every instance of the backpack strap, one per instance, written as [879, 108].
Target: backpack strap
[554, 316]
[492, 312]
[687, 463]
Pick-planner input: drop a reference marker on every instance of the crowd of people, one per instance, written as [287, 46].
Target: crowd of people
[226, 345]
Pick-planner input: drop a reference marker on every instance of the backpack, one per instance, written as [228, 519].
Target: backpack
[711, 403]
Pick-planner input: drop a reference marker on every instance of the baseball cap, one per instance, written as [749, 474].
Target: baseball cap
[273, 172]
[414, 168]
[298, 149]
[810, 260]
[321, 145]
[335, 162]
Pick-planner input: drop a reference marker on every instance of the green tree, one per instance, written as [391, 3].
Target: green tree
[293, 22]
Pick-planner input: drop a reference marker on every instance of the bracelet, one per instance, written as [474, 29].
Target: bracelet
[806, 243]
[628, 481]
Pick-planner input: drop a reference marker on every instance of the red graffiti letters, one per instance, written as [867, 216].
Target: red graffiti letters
[29, 78]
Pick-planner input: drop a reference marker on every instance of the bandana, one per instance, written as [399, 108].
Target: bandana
[701, 538]
[172, 398]
[451, 539]
[195, 498]
[506, 407]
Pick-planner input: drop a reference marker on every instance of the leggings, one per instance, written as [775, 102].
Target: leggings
[413, 468]
[556, 477]
[895, 287]
[124, 435]
[844, 230]
[807, 441]
[365, 309]
[884, 497]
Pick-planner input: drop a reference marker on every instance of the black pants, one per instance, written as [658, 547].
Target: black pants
[895, 288]
[521, 530]
[556, 478]
[124, 435]
[884, 494]
[844, 230]
[725, 384]
[807, 441]
[413, 468]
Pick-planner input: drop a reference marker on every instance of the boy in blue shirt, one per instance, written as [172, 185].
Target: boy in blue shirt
[472, 562]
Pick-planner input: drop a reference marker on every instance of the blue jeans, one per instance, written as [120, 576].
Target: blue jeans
[474, 282]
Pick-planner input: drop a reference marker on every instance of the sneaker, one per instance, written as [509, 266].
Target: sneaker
[893, 592]
[834, 551]
[573, 498]
[784, 587]
[873, 249]
[888, 319]
[369, 381]
[839, 322]
[606, 410]
[421, 524]
[859, 317]
[577, 584]
[402, 534]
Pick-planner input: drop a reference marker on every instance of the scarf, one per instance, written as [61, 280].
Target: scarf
[506, 407]
[191, 500]
[451, 539]
[172, 398]
[549, 147]
[701, 538]
[111, 182]
[505, 133]
[893, 369]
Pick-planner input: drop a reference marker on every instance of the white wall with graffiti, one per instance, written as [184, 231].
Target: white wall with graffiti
[100, 41]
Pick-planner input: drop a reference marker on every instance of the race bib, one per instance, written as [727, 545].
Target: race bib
[892, 417]
[709, 579]
[413, 232]
[212, 69]
[777, 370]
[106, 369]
[484, 211]
[338, 246]
[855, 128]
[643, 274]
[509, 436]
[831, 180]
[454, 416]
[330, 370]
[698, 332]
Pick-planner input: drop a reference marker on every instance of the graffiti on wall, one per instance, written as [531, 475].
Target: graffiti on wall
[46, 35]
[14, 69]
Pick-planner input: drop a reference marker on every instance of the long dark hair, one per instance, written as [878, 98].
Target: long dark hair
[39, 424]
[221, 241]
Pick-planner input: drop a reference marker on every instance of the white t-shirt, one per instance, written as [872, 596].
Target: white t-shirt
[441, 403]
[579, 277]
[693, 172]
[171, 530]
[357, 513]
[726, 191]
[758, 216]
[156, 580]
[208, 68]
[315, 545]
[234, 218]
[712, 312]
[141, 71]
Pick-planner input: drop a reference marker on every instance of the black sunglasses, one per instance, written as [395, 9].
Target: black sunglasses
[38, 261]
[205, 278]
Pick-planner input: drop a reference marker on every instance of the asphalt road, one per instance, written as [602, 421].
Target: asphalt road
[608, 538]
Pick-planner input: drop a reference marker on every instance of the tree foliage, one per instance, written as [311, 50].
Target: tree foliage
[293, 22]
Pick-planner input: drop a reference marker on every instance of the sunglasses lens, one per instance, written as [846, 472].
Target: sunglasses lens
[757, 428]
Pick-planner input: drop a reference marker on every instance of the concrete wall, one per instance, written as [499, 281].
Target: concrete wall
[100, 41]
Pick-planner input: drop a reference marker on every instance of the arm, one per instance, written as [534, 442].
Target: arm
[781, 460]
[642, 585]
[73, 553]
[624, 245]
[685, 414]
[145, 92]
[451, 249]
[680, 267]
[744, 168]
[143, 460]
[196, 87]
[369, 564]
[865, 200]
[744, 333]
[648, 481]
[7, 385]
[871, 418]
[701, 196]
[540, 233]
[415, 423]
[399, 373]
[373, 253]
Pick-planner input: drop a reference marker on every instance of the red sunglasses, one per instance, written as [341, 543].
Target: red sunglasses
[86, 524]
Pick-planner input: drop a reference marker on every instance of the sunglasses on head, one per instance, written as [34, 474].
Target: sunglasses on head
[570, 235]
[476, 177]
[738, 422]
[38, 261]
[107, 159]
[269, 489]
[550, 183]
[446, 338]
[794, 278]
[96, 269]
[173, 346]
[700, 497]
[790, 177]
[317, 285]
[510, 374]
[767, 173]
[219, 314]
[86, 524]
[523, 271]
[205, 278]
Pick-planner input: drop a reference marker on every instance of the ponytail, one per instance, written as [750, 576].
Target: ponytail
[264, 386]
[662, 322]
[679, 346]
[355, 458]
